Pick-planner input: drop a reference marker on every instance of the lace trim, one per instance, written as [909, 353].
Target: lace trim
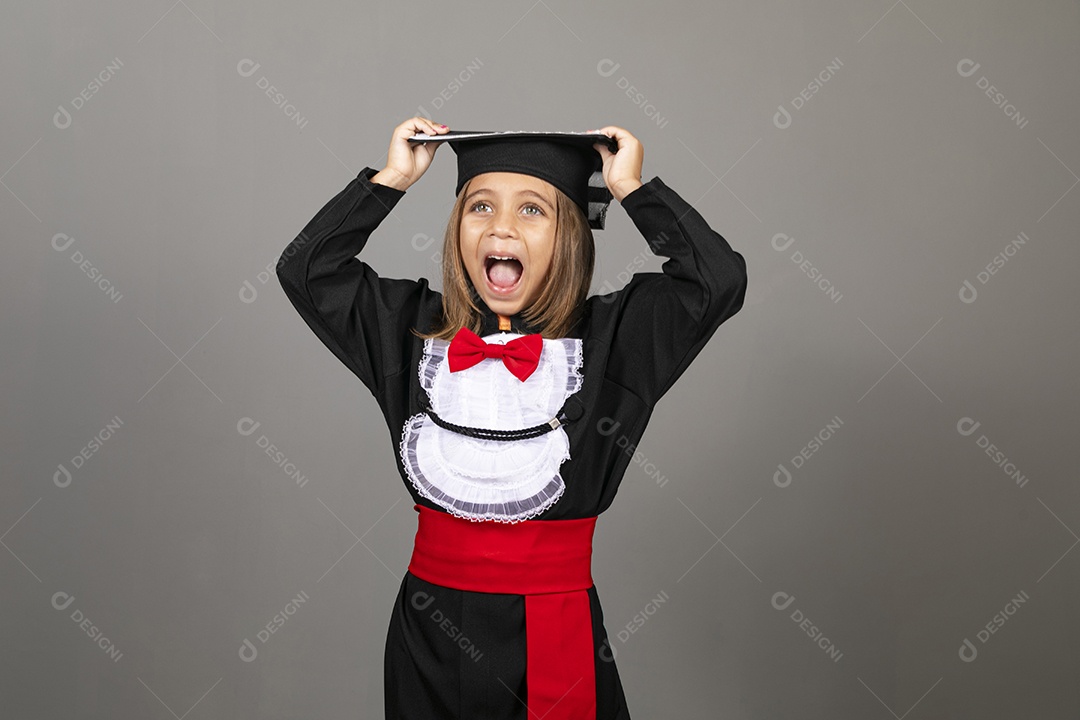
[459, 482]
[573, 353]
[434, 354]
[508, 511]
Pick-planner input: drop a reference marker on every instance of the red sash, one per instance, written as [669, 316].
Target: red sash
[547, 561]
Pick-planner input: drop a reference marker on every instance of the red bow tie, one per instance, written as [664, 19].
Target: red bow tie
[520, 355]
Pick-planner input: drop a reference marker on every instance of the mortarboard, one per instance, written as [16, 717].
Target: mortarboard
[567, 160]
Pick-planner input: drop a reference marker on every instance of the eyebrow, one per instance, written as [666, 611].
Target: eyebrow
[533, 193]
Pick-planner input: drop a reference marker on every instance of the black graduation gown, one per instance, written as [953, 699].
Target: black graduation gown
[636, 342]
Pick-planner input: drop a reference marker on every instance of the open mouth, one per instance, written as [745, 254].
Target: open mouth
[503, 272]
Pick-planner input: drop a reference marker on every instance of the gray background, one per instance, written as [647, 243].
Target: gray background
[179, 180]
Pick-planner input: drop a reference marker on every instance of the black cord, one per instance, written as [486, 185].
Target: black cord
[485, 434]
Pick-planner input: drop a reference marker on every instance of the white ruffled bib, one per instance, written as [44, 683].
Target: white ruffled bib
[478, 479]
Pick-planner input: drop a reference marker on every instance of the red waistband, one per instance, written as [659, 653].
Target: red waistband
[527, 558]
[547, 561]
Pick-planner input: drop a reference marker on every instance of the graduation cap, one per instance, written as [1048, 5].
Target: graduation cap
[567, 160]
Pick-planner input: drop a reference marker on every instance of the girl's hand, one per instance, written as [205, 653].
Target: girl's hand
[622, 169]
[406, 161]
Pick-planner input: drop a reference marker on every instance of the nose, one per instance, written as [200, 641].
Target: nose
[504, 223]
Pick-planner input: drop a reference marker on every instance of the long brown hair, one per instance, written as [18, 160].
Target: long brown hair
[562, 299]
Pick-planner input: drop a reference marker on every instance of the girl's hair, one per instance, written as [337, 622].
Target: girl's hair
[562, 298]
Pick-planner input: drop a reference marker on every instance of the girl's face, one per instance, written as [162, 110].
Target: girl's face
[512, 216]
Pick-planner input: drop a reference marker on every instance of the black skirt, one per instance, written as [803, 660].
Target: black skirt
[454, 654]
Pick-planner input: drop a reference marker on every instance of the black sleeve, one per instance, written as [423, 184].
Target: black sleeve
[363, 319]
[661, 321]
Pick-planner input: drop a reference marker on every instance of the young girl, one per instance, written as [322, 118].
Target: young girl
[514, 401]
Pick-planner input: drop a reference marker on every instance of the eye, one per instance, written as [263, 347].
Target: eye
[536, 208]
[477, 204]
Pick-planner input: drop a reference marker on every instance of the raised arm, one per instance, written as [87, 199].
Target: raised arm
[663, 320]
[365, 320]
